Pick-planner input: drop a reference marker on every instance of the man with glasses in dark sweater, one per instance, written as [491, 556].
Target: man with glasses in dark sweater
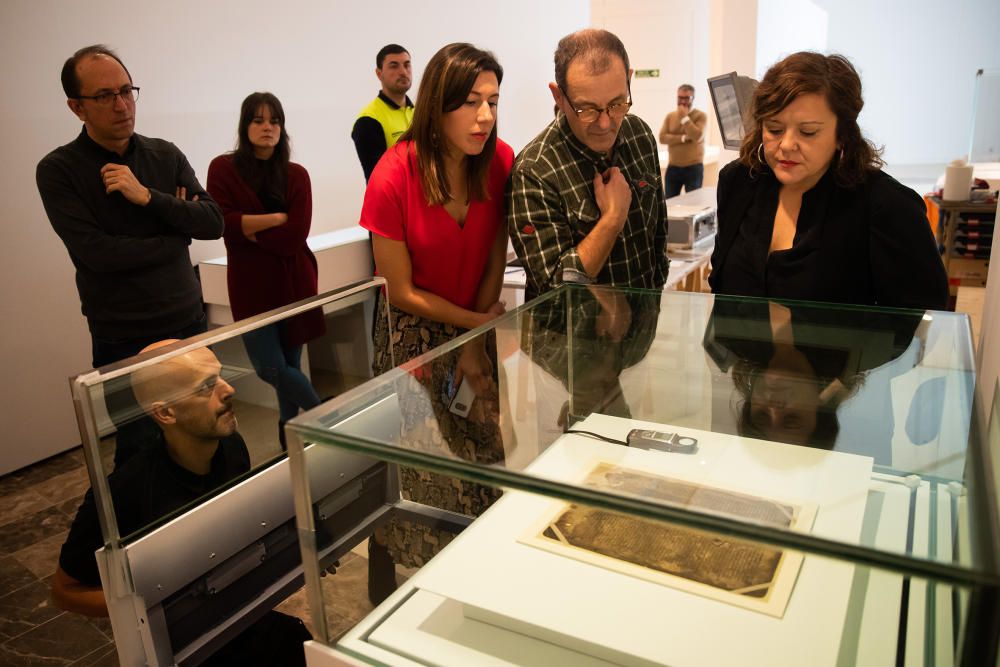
[127, 207]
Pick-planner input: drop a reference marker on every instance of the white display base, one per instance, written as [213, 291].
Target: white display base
[488, 599]
[628, 621]
[430, 629]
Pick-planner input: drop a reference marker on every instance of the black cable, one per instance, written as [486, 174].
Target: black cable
[904, 598]
[600, 437]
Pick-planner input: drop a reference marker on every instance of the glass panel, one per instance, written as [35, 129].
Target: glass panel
[175, 429]
[766, 421]
[188, 402]
[541, 581]
[985, 143]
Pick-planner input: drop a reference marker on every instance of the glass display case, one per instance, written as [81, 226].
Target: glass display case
[190, 510]
[627, 477]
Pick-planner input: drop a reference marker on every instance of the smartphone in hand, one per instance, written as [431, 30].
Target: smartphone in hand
[462, 403]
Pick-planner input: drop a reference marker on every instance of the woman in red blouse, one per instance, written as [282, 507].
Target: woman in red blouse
[435, 207]
[267, 204]
[434, 204]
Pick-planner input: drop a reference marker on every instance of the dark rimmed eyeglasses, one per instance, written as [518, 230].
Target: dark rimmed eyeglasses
[615, 111]
[127, 93]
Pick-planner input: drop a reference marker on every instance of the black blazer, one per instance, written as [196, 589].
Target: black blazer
[875, 245]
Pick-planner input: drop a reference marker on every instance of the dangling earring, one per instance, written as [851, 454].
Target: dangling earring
[760, 153]
[434, 139]
[841, 154]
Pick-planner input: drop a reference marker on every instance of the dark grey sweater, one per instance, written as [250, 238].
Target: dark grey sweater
[133, 269]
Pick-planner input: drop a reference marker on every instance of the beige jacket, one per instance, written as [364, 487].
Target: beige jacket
[685, 141]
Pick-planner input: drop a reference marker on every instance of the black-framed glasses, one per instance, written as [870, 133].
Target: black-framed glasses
[615, 111]
[127, 93]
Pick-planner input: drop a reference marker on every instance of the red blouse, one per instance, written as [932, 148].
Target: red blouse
[447, 260]
[277, 269]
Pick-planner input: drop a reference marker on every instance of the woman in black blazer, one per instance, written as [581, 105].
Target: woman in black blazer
[806, 212]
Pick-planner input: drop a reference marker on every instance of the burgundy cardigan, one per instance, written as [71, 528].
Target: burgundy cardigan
[278, 268]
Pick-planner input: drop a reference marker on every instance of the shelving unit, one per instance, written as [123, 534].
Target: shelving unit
[965, 234]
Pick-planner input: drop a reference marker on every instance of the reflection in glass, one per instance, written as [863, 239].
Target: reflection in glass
[438, 416]
[857, 380]
[793, 366]
[194, 450]
[586, 342]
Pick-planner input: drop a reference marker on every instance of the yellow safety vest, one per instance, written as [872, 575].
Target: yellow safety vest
[393, 121]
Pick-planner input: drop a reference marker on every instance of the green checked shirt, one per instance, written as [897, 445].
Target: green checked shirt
[551, 209]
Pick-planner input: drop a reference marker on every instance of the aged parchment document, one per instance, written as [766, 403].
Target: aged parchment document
[754, 576]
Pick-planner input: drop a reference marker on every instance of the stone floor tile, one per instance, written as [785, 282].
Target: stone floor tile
[20, 504]
[41, 558]
[104, 625]
[60, 641]
[25, 609]
[39, 472]
[13, 575]
[102, 657]
[297, 605]
[64, 487]
[345, 594]
[24, 532]
[69, 507]
[338, 627]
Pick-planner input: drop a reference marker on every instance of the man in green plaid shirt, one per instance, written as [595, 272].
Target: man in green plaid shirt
[585, 201]
[585, 205]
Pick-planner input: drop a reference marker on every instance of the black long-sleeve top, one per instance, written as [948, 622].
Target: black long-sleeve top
[133, 270]
[369, 140]
[369, 135]
[145, 490]
[866, 245]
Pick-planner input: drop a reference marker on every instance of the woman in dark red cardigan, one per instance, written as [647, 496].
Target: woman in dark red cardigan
[267, 204]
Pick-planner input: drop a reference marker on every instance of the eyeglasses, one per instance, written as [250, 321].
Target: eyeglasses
[615, 111]
[129, 94]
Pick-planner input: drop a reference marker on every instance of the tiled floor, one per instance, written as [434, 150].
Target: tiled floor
[38, 503]
[970, 300]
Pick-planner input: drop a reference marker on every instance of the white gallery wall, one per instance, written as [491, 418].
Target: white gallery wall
[787, 26]
[918, 61]
[195, 62]
[917, 58]
[669, 35]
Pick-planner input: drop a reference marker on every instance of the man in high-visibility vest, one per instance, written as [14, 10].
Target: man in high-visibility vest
[382, 122]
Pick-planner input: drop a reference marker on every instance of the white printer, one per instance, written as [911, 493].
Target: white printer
[689, 226]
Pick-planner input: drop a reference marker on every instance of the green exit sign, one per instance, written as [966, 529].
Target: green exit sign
[647, 74]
